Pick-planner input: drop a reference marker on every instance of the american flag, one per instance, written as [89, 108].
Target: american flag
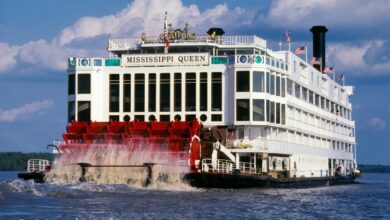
[341, 77]
[166, 40]
[300, 51]
[328, 69]
[315, 60]
[288, 36]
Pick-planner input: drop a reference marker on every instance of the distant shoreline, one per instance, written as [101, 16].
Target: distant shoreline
[17, 161]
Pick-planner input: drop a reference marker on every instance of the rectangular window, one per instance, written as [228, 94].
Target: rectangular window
[177, 92]
[203, 92]
[139, 92]
[258, 81]
[190, 92]
[297, 90]
[84, 111]
[277, 113]
[311, 97]
[283, 87]
[267, 82]
[304, 93]
[114, 93]
[317, 100]
[216, 117]
[71, 84]
[83, 83]
[242, 109]
[242, 83]
[216, 91]
[272, 112]
[268, 107]
[278, 85]
[139, 117]
[283, 114]
[258, 110]
[71, 111]
[190, 117]
[152, 92]
[126, 92]
[272, 85]
[113, 117]
[165, 117]
[165, 92]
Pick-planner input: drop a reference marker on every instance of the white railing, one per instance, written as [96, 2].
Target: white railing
[37, 165]
[227, 166]
[130, 43]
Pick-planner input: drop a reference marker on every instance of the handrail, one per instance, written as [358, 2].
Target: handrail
[37, 165]
[226, 166]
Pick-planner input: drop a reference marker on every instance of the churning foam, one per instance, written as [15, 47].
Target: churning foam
[166, 173]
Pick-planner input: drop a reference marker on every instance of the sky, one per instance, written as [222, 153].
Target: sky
[37, 37]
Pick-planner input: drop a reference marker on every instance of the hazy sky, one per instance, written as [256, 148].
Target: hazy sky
[37, 37]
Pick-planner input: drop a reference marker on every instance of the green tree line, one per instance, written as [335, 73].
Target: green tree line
[17, 161]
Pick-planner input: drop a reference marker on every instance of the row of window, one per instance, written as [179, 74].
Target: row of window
[311, 97]
[299, 138]
[261, 82]
[316, 121]
[148, 82]
[269, 111]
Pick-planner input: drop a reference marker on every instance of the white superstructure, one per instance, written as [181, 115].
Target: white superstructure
[278, 110]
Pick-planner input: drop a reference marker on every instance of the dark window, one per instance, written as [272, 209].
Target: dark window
[311, 97]
[267, 82]
[203, 92]
[152, 92]
[242, 109]
[71, 84]
[114, 93]
[165, 92]
[278, 85]
[317, 100]
[139, 92]
[190, 117]
[84, 84]
[268, 107]
[216, 117]
[258, 110]
[126, 92]
[139, 117]
[242, 83]
[258, 81]
[283, 86]
[190, 92]
[71, 111]
[177, 92]
[272, 85]
[272, 112]
[114, 117]
[84, 111]
[216, 91]
[165, 117]
[277, 113]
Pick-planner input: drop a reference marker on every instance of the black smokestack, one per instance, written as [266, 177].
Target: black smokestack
[319, 45]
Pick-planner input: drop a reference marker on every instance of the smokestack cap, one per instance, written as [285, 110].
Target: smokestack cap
[318, 29]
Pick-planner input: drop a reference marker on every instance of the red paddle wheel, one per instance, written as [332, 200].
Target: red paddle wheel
[178, 139]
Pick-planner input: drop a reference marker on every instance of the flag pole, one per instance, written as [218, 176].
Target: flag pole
[334, 72]
[280, 43]
[305, 52]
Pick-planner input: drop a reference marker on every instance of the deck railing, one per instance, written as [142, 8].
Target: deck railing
[132, 43]
[227, 166]
[37, 165]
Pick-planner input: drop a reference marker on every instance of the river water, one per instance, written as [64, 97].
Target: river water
[19, 199]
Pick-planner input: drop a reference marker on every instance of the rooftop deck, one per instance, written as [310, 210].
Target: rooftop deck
[134, 43]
